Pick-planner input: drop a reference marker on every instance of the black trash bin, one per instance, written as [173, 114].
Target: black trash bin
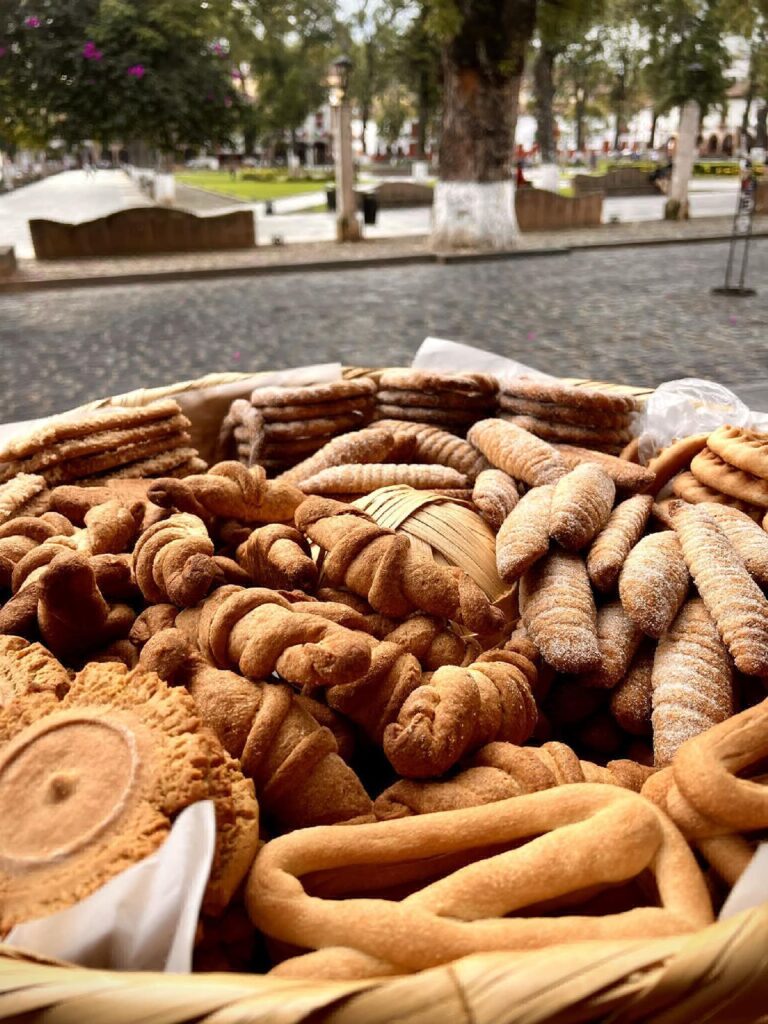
[370, 208]
[330, 195]
[269, 208]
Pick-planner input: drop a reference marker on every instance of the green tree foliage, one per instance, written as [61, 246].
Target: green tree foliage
[116, 70]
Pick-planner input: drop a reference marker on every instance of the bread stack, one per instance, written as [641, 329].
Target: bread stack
[280, 426]
[731, 469]
[453, 401]
[569, 415]
[151, 440]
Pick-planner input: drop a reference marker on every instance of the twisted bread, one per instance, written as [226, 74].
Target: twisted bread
[173, 561]
[381, 566]
[617, 538]
[431, 444]
[231, 491]
[299, 777]
[498, 771]
[459, 710]
[495, 495]
[581, 505]
[433, 642]
[258, 632]
[278, 556]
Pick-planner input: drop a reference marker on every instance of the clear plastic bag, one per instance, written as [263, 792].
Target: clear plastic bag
[679, 408]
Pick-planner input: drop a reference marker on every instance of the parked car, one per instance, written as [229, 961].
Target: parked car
[203, 163]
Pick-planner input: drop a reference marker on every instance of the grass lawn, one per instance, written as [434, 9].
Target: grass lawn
[250, 191]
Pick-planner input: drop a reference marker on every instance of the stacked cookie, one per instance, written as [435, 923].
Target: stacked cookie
[569, 415]
[453, 401]
[730, 469]
[280, 426]
[146, 441]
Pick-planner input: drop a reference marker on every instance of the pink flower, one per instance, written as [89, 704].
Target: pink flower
[227, 101]
[3, 51]
[32, 21]
[236, 73]
[137, 71]
[90, 51]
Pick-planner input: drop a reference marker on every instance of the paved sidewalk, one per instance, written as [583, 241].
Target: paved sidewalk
[71, 196]
[34, 275]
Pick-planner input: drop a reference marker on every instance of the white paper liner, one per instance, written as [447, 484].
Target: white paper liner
[453, 356]
[145, 918]
[752, 888]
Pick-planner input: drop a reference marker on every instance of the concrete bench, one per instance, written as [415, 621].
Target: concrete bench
[7, 260]
[623, 181]
[142, 231]
[540, 210]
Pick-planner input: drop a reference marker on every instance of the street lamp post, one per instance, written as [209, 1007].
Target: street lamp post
[347, 223]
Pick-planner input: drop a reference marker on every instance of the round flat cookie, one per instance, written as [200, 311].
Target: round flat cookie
[686, 486]
[710, 469]
[287, 413]
[418, 414]
[311, 394]
[423, 380]
[446, 400]
[565, 394]
[741, 447]
[568, 433]
[557, 413]
[29, 668]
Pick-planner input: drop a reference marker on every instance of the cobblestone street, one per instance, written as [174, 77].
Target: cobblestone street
[639, 315]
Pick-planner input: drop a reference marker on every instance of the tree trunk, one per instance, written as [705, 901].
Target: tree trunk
[652, 136]
[685, 155]
[579, 113]
[544, 93]
[365, 114]
[761, 135]
[482, 69]
[422, 114]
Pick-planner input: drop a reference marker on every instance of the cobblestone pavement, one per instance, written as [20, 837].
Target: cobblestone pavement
[639, 315]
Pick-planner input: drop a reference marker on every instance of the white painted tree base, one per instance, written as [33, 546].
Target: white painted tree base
[469, 214]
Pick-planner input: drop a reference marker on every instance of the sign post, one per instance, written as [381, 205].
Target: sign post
[741, 234]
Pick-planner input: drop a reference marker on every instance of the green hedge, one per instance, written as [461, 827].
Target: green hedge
[279, 174]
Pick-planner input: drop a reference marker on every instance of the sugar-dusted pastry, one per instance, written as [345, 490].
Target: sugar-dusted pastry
[519, 453]
[569, 433]
[581, 505]
[299, 777]
[359, 446]
[732, 598]
[257, 632]
[381, 566]
[631, 700]
[431, 444]
[610, 548]
[278, 556]
[499, 771]
[231, 491]
[692, 681]
[653, 582]
[618, 638]
[590, 401]
[460, 709]
[587, 837]
[173, 561]
[627, 476]
[748, 539]
[710, 469]
[29, 668]
[557, 412]
[364, 478]
[674, 459]
[495, 495]
[741, 447]
[558, 611]
[67, 825]
[686, 487]
[18, 493]
[524, 535]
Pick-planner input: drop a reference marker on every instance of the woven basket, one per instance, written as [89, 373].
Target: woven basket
[717, 974]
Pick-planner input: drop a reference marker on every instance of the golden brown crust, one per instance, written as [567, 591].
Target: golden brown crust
[617, 538]
[231, 491]
[653, 582]
[628, 476]
[73, 826]
[495, 495]
[686, 487]
[568, 433]
[555, 412]
[581, 505]
[631, 700]
[558, 611]
[278, 556]
[518, 452]
[362, 479]
[674, 459]
[311, 394]
[618, 639]
[741, 447]
[435, 383]
[589, 400]
[524, 535]
[692, 681]
[459, 710]
[359, 446]
[710, 469]
[437, 446]
[748, 539]
[173, 561]
[18, 492]
[27, 668]
[381, 566]
[731, 596]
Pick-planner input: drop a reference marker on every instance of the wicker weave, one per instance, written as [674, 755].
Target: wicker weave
[718, 974]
